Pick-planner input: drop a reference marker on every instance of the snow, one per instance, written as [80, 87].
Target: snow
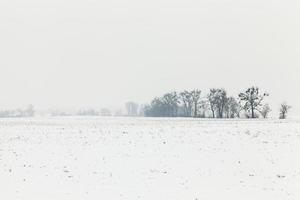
[148, 159]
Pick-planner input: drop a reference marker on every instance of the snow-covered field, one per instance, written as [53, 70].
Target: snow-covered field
[149, 159]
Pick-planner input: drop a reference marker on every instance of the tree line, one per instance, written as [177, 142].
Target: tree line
[216, 104]
[25, 112]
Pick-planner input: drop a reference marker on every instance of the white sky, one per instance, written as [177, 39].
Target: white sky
[71, 53]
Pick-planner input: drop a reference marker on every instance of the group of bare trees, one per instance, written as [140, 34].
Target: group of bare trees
[216, 104]
[165, 106]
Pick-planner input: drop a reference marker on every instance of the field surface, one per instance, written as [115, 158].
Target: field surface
[149, 159]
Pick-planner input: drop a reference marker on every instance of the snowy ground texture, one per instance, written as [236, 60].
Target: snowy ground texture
[149, 159]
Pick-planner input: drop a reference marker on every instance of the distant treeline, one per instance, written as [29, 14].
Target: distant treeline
[27, 112]
[216, 104]
[84, 112]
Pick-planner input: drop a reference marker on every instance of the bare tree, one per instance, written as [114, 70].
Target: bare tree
[217, 99]
[232, 108]
[265, 110]
[171, 101]
[221, 101]
[203, 108]
[196, 99]
[212, 101]
[186, 98]
[284, 108]
[252, 100]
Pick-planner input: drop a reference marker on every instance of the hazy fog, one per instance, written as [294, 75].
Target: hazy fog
[63, 53]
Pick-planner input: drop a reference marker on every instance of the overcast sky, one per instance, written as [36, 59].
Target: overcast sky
[71, 53]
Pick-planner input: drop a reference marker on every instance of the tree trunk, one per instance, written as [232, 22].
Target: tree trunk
[252, 111]
[212, 110]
